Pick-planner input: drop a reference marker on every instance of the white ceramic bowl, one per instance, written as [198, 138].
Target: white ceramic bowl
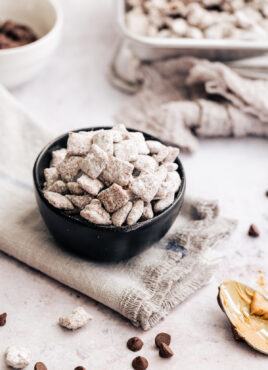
[20, 64]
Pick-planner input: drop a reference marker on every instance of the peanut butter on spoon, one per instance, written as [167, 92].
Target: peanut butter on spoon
[247, 311]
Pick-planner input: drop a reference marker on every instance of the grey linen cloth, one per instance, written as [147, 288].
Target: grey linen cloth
[181, 99]
[144, 289]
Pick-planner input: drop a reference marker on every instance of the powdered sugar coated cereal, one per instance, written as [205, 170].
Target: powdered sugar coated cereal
[17, 357]
[77, 319]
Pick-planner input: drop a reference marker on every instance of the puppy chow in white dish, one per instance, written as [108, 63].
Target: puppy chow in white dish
[197, 19]
[112, 177]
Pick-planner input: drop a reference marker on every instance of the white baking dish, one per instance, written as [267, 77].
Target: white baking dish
[151, 48]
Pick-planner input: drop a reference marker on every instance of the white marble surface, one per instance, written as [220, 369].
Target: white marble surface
[73, 92]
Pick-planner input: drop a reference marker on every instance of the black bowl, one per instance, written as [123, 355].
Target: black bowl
[100, 242]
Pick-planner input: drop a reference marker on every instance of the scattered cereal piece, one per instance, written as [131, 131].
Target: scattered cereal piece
[57, 157]
[140, 142]
[78, 144]
[119, 217]
[95, 162]
[113, 198]
[154, 146]
[162, 204]
[78, 318]
[75, 188]
[17, 357]
[145, 186]
[136, 212]
[92, 186]
[172, 154]
[69, 168]
[120, 133]
[148, 211]
[51, 175]
[79, 201]
[58, 187]
[79, 368]
[95, 213]
[118, 171]
[145, 163]
[126, 150]
[104, 139]
[58, 201]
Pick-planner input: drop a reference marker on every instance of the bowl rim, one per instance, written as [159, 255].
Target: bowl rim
[50, 34]
[125, 228]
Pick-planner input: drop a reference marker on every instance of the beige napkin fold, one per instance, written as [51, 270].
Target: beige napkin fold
[180, 99]
[144, 289]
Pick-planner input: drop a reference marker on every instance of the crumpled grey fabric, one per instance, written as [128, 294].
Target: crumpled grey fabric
[144, 289]
[184, 98]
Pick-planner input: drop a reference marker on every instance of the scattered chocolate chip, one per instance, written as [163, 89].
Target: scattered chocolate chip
[134, 344]
[253, 231]
[140, 363]
[266, 193]
[3, 319]
[162, 338]
[40, 366]
[165, 351]
[80, 368]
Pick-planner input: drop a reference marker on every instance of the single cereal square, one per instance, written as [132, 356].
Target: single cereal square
[113, 198]
[69, 168]
[58, 187]
[136, 212]
[119, 217]
[162, 155]
[148, 211]
[78, 144]
[145, 163]
[57, 157]
[95, 162]
[126, 150]
[162, 204]
[91, 186]
[95, 213]
[140, 142]
[58, 201]
[118, 171]
[79, 201]
[104, 140]
[145, 186]
[120, 133]
[172, 154]
[154, 146]
[51, 175]
[75, 188]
